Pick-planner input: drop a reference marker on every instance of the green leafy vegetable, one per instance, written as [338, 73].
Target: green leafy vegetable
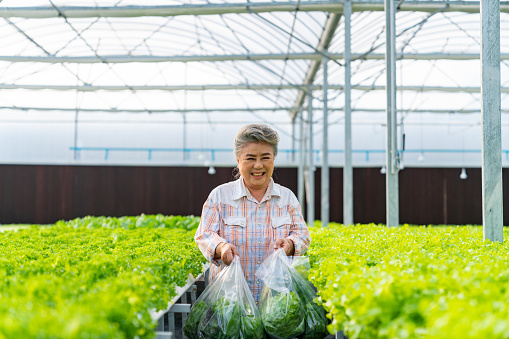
[191, 327]
[283, 316]
[92, 277]
[221, 321]
[315, 321]
[251, 327]
[411, 281]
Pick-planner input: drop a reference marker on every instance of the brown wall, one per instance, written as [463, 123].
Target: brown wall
[45, 194]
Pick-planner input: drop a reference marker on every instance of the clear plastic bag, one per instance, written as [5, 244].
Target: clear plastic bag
[226, 309]
[316, 321]
[301, 265]
[281, 309]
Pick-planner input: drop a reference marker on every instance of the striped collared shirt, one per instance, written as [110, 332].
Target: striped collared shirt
[232, 215]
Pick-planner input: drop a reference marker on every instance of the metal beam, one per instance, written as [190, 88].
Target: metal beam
[156, 58]
[427, 6]
[302, 159]
[423, 88]
[325, 203]
[254, 109]
[437, 111]
[423, 56]
[347, 167]
[391, 153]
[237, 57]
[147, 110]
[42, 12]
[310, 167]
[325, 39]
[492, 195]
[91, 88]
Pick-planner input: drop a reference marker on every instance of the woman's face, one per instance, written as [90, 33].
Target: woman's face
[256, 164]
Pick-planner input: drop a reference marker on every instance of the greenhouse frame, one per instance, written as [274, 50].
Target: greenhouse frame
[303, 65]
[117, 120]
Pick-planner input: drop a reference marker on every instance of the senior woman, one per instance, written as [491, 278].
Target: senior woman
[252, 216]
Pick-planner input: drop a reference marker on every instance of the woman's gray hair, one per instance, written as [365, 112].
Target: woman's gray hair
[255, 133]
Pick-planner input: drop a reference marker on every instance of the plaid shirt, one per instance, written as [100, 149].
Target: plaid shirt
[232, 215]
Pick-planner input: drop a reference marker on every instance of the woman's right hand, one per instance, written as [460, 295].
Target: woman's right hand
[227, 252]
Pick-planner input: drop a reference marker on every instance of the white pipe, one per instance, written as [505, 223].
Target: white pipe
[41, 12]
[90, 88]
[392, 157]
[325, 189]
[492, 195]
[237, 57]
[238, 109]
[347, 167]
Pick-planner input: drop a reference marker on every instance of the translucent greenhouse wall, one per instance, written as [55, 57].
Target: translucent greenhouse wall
[430, 140]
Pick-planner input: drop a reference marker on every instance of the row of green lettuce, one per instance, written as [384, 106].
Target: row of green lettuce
[93, 277]
[411, 282]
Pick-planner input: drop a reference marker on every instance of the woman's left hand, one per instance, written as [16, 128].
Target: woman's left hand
[286, 244]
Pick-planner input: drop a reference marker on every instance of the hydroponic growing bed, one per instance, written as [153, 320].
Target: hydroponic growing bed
[104, 277]
[412, 282]
[93, 277]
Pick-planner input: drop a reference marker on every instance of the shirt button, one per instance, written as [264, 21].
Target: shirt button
[258, 261]
[259, 223]
[257, 303]
[257, 282]
[259, 242]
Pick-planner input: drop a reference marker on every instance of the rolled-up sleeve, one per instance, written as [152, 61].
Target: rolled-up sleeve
[207, 235]
[299, 232]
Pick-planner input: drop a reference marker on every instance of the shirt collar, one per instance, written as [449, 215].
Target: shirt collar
[241, 190]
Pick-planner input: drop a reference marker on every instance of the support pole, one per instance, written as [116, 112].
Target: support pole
[302, 159]
[76, 135]
[325, 148]
[392, 139]
[293, 139]
[184, 138]
[348, 169]
[492, 214]
[310, 167]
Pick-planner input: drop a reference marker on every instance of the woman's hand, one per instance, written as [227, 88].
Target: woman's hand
[226, 252]
[286, 244]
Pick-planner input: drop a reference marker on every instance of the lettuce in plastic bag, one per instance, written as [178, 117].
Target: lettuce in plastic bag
[221, 321]
[226, 309]
[191, 327]
[316, 321]
[283, 315]
[282, 311]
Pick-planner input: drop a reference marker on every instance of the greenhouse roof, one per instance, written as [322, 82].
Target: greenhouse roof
[256, 58]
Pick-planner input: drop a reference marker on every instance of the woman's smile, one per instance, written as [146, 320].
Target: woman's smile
[256, 164]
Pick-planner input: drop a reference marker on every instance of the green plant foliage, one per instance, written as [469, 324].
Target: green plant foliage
[221, 321]
[315, 321]
[193, 320]
[411, 282]
[251, 327]
[92, 277]
[284, 315]
[132, 222]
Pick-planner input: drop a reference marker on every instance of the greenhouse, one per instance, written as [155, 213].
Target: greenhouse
[118, 119]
